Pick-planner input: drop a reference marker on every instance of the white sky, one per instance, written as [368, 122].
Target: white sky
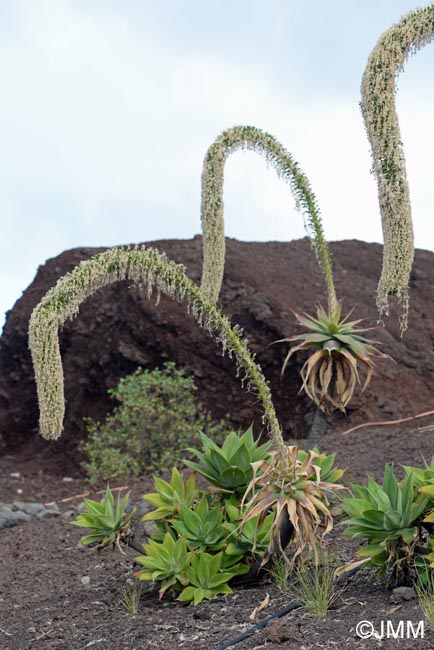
[108, 107]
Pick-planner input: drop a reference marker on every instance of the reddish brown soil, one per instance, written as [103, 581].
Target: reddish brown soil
[43, 603]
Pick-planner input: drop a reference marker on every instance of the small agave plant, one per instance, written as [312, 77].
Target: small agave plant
[330, 374]
[229, 467]
[107, 519]
[201, 526]
[206, 578]
[171, 498]
[249, 540]
[391, 517]
[165, 562]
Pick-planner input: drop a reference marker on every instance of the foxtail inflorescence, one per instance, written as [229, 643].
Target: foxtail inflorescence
[387, 59]
[252, 138]
[148, 268]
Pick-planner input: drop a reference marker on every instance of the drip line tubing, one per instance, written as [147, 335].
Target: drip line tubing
[279, 614]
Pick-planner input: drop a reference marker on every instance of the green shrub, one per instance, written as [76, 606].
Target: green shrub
[157, 418]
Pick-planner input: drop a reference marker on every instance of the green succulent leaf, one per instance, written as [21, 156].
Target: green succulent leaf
[428, 490]
[233, 477]
[392, 520]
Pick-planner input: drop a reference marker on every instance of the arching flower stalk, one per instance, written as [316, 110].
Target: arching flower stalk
[145, 268]
[336, 368]
[252, 138]
[378, 89]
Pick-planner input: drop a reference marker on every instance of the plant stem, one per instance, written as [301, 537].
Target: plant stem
[250, 137]
[144, 267]
[317, 430]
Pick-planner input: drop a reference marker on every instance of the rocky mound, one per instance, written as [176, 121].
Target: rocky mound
[119, 329]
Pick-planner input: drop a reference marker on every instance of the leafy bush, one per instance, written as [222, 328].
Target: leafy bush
[156, 419]
[395, 519]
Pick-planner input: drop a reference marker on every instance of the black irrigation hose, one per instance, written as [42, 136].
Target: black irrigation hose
[282, 612]
[245, 635]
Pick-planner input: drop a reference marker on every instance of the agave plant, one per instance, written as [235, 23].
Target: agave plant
[423, 479]
[292, 489]
[206, 578]
[201, 527]
[171, 498]
[330, 374]
[197, 575]
[389, 517]
[229, 467]
[165, 562]
[108, 520]
[421, 475]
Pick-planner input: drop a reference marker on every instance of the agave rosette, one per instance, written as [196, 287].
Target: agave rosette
[107, 519]
[390, 517]
[228, 467]
[291, 487]
[330, 374]
[201, 526]
[171, 498]
[165, 562]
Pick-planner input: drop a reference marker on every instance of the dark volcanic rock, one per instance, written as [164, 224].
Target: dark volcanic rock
[119, 328]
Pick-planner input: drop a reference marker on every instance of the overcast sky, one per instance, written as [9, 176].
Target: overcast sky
[108, 107]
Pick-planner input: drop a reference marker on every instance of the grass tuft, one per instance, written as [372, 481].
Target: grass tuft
[425, 595]
[131, 595]
[309, 584]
